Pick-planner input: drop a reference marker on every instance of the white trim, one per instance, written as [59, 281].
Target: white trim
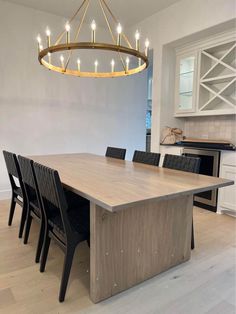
[5, 194]
[223, 211]
[217, 112]
[209, 42]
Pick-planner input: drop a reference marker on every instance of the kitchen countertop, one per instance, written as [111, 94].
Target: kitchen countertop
[202, 146]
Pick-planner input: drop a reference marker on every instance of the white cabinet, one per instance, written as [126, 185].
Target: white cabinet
[227, 195]
[206, 77]
[217, 80]
[172, 150]
[186, 77]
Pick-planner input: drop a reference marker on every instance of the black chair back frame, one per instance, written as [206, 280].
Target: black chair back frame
[17, 191]
[115, 152]
[148, 158]
[34, 209]
[53, 200]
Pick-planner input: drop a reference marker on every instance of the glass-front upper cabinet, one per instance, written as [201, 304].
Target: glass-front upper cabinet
[185, 90]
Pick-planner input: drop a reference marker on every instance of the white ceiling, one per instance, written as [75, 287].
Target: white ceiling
[129, 12]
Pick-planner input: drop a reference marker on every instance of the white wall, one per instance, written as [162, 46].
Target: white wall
[183, 22]
[45, 113]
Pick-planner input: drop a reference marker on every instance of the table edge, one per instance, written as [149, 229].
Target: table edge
[116, 208]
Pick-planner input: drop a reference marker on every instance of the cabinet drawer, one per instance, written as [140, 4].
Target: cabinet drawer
[228, 158]
[227, 195]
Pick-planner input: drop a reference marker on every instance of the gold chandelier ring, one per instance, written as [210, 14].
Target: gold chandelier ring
[98, 46]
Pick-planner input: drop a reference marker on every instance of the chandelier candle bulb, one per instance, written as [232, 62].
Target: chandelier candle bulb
[93, 27]
[137, 37]
[119, 31]
[139, 62]
[127, 64]
[96, 66]
[78, 63]
[48, 34]
[49, 57]
[39, 40]
[67, 27]
[112, 65]
[147, 44]
[62, 61]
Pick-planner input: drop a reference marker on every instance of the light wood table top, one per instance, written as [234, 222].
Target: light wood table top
[116, 184]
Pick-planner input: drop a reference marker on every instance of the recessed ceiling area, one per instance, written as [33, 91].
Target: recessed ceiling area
[130, 12]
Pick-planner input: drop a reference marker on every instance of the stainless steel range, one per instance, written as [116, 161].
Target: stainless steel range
[210, 164]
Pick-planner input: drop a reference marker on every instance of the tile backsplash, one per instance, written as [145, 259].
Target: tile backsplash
[214, 127]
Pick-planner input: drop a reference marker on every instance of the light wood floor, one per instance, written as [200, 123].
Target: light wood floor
[205, 284]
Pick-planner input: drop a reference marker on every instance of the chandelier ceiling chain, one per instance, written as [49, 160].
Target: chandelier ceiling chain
[110, 30]
[117, 22]
[45, 55]
[78, 30]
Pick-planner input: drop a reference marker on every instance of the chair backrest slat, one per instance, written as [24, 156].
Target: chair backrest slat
[29, 179]
[27, 172]
[14, 172]
[52, 194]
[184, 163]
[115, 152]
[148, 158]
[12, 164]
[47, 185]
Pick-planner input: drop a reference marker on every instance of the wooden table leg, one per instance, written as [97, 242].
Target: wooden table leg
[137, 243]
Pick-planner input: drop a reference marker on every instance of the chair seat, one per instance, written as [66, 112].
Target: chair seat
[79, 220]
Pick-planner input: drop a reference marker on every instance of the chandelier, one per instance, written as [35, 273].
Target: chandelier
[65, 45]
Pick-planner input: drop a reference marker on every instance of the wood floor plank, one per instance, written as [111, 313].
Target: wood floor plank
[6, 298]
[222, 307]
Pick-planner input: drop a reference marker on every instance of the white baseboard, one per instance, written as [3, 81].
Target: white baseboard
[229, 212]
[5, 194]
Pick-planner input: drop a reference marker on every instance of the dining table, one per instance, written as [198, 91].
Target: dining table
[140, 216]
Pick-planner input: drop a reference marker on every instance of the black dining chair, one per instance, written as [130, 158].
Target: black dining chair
[183, 163]
[115, 152]
[34, 210]
[70, 225]
[18, 191]
[148, 158]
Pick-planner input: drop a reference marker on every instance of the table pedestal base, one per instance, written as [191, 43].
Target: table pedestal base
[132, 245]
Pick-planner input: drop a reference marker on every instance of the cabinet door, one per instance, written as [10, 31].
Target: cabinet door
[227, 195]
[186, 83]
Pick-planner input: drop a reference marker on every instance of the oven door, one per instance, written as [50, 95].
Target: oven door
[209, 166]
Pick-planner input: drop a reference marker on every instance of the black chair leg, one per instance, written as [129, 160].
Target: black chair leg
[23, 219]
[46, 245]
[66, 272]
[40, 243]
[27, 228]
[12, 210]
[192, 239]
